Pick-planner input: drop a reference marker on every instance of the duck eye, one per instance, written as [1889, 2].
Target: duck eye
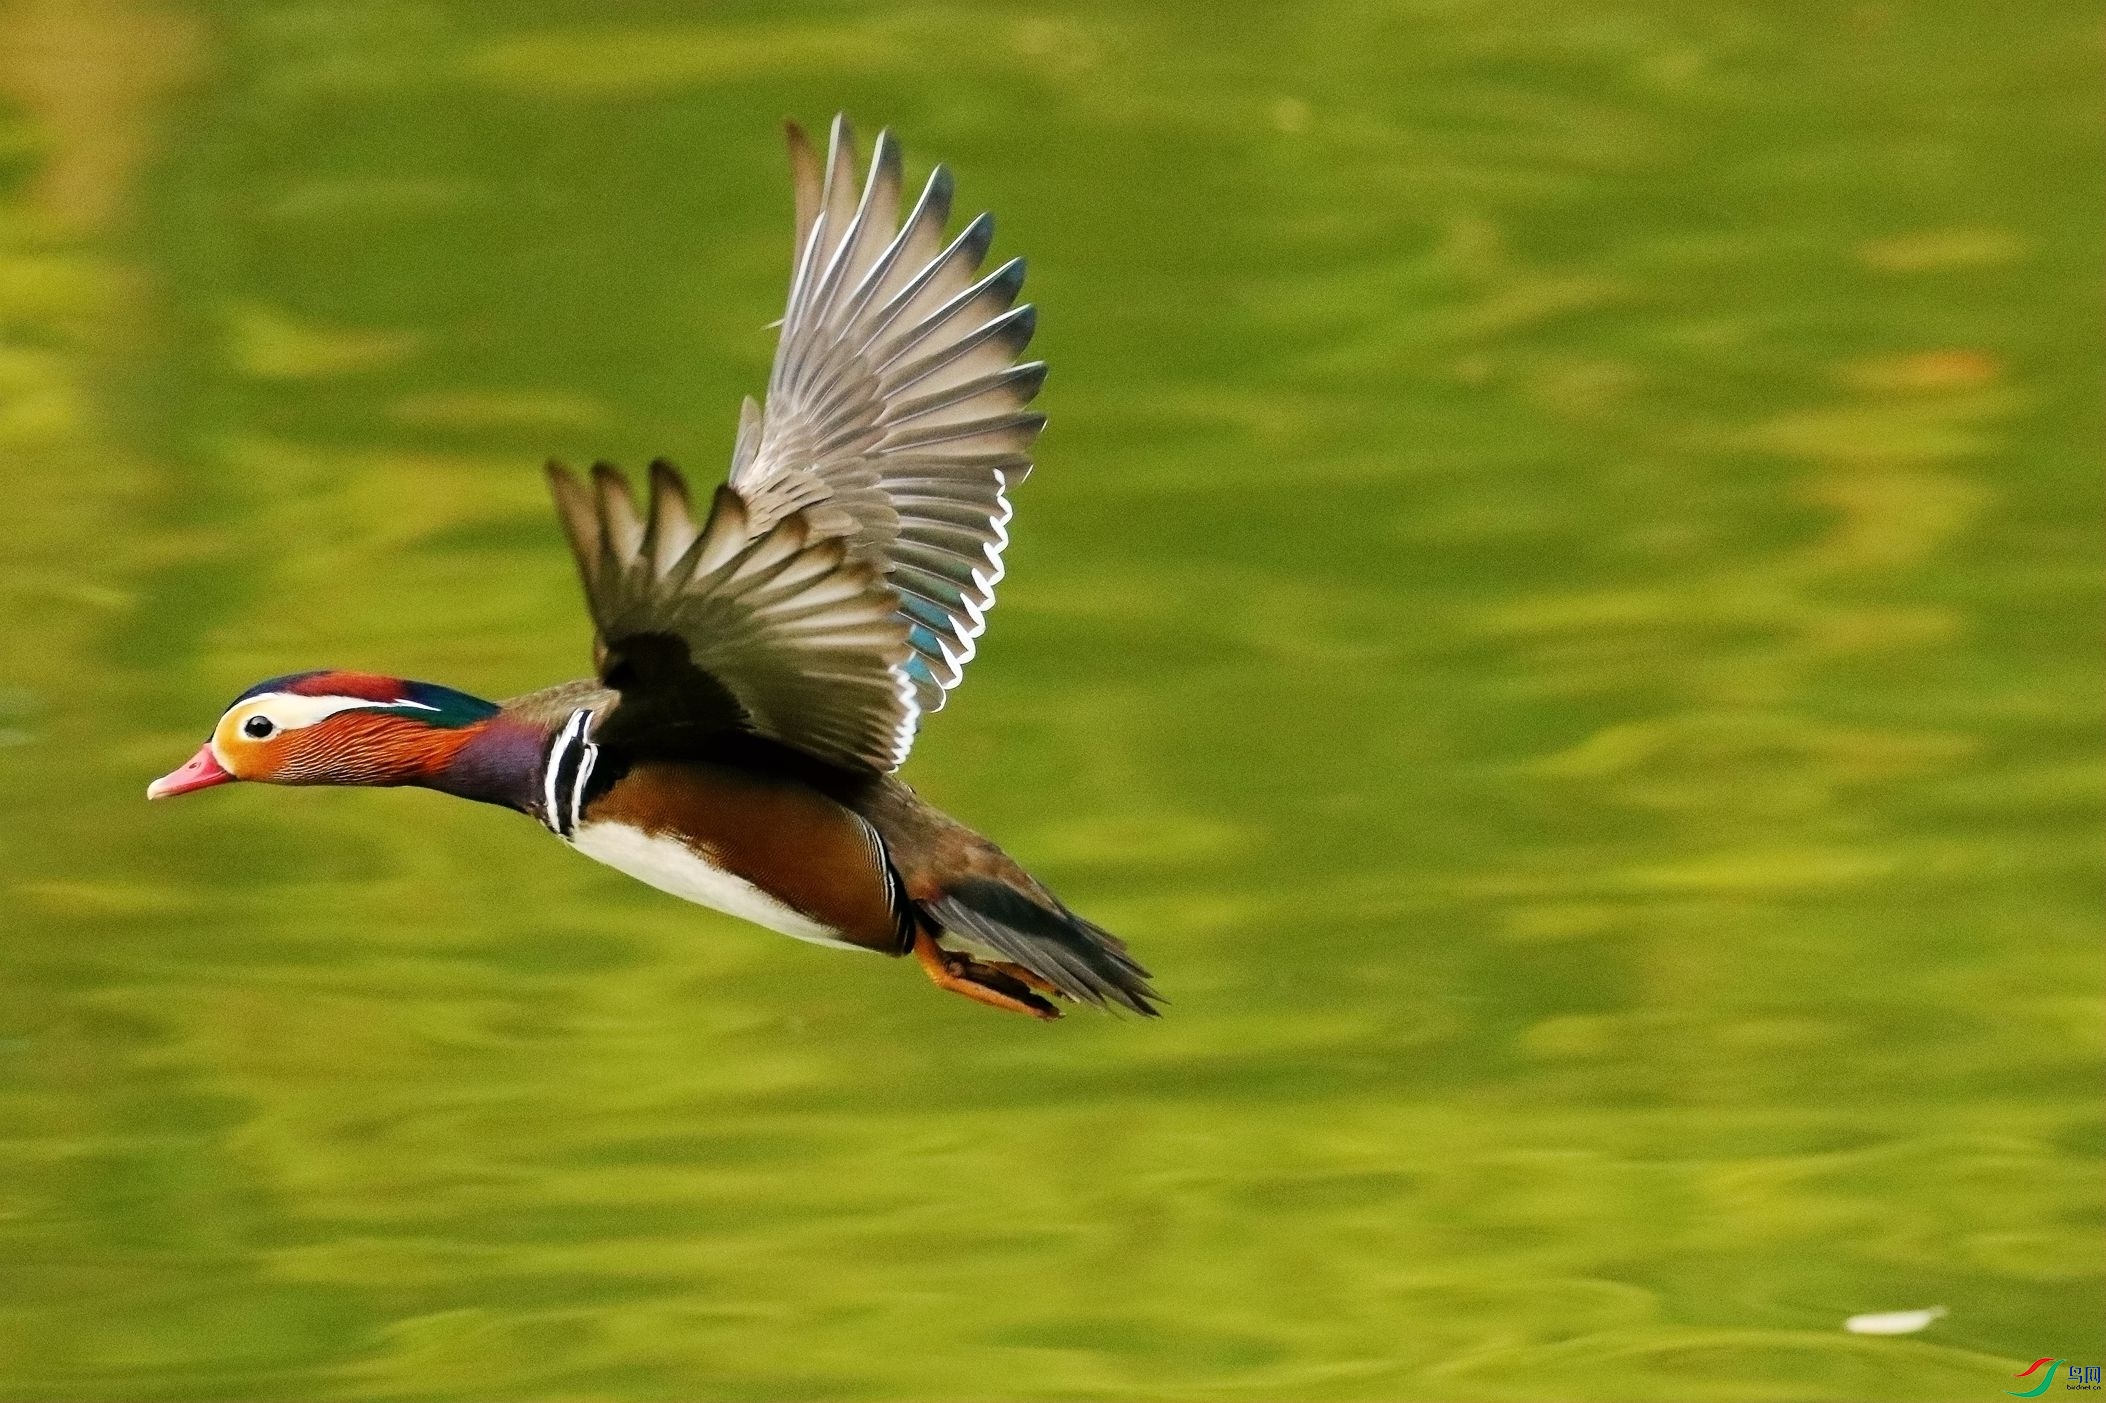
[257, 727]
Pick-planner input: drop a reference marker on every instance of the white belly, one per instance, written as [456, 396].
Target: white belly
[671, 866]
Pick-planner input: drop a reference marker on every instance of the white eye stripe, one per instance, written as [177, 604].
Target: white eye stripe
[290, 711]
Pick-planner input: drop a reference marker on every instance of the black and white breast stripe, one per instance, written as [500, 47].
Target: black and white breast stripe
[565, 772]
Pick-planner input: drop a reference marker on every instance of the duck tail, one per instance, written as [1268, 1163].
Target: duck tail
[1034, 930]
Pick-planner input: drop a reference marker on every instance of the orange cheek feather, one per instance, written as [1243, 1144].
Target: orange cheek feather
[355, 747]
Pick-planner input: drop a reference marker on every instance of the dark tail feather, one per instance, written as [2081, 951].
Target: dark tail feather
[1082, 960]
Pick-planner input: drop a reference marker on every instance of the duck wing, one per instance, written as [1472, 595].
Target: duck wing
[896, 415]
[740, 624]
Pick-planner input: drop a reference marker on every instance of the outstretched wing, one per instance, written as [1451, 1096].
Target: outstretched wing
[896, 413]
[738, 624]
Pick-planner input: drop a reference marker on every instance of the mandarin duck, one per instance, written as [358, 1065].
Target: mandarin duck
[763, 670]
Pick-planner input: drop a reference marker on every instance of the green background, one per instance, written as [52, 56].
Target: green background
[1560, 613]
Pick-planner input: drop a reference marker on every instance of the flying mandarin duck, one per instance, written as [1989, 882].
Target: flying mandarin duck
[762, 672]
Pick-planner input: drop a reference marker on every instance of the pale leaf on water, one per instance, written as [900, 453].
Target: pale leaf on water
[1893, 1322]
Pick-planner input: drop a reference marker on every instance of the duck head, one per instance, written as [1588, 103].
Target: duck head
[334, 728]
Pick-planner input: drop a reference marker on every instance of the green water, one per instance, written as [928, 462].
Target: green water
[1560, 612]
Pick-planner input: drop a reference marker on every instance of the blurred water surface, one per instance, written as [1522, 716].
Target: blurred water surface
[1560, 612]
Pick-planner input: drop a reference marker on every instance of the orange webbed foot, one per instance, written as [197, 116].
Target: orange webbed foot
[996, 984]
